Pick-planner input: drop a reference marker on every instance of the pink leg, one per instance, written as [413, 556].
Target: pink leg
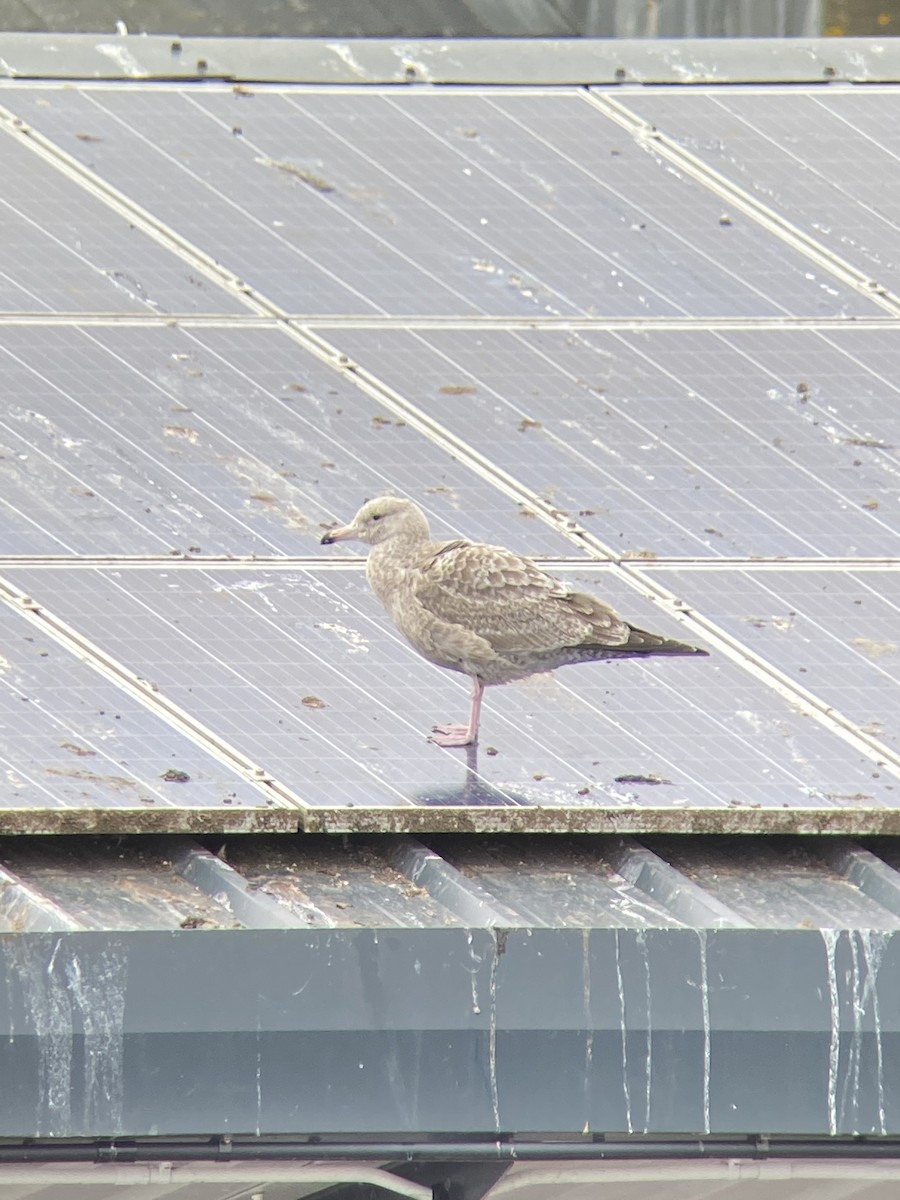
[462, 735]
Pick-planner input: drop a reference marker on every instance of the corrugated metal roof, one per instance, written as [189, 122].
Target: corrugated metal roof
[319, 882]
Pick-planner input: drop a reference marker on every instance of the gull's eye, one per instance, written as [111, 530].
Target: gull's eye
[377, 516]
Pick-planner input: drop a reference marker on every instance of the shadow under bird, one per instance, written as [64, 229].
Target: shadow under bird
[483, 610]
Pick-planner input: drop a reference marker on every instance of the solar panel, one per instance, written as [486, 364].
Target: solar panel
[65, 251]
[710, 406]
[680, 442]
[830, 164]
[331, 202]
[80, 753]
[151, 440]
[303, 671]
[833, 632]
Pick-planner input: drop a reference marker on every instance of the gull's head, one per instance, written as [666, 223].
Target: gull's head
[381, 519]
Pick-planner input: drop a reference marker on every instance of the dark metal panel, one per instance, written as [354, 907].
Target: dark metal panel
[788, 886]
[66, 251]
[831, 166]
[70, 740]
[675, 442]
[577, 883]
[105, 884]
[450, 1029]
[833, 632]
[302, 671]
[128, 441]
[423, 18]
[322, 881]
[525, 205]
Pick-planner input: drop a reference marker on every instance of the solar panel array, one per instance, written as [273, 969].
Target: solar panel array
[649, 336]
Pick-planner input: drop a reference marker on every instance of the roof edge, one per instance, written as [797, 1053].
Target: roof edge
[525, 62]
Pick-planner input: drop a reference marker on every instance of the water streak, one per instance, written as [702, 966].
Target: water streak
[641, 940]
[830, 938]
[499, 948]
[874, 942]
[97, 989]
[588, 1024]
[624, 1031]
[851, 1076]
[704, 1001]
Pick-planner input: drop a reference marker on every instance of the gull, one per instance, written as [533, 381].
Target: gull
[484, 611]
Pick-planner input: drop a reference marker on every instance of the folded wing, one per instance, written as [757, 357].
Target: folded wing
[512, 603]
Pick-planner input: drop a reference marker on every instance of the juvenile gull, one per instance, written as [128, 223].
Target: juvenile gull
[483, 610]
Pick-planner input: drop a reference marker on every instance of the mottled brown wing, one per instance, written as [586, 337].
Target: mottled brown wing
[512, 603]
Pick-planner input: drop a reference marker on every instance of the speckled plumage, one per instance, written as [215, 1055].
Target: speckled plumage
[483, 610]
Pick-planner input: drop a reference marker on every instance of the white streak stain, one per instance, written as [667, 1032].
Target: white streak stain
[258, 1069]
[345, 54]
[499, 948]
[641, 940]
[830, 938]
[704, 1000]
[473, 970]
[588, 1026]
[352, 638]
[851, 1078]
[98, 992]
[874, 942]
[63, 996]
[123, 58]
[624, 1031]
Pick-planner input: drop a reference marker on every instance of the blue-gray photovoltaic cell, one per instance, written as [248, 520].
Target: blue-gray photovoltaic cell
[827, 160]
[65, 251]
[676, 443]
[136, 441]
[303, 669]
[438, 203]
[70, 739]
[836, 633]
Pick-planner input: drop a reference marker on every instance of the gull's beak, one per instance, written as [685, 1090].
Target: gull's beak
[343, 533]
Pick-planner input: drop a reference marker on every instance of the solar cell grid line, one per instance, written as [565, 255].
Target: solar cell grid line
[781, 280]
[807, 174]
[741, 195]
[237, 441]
[46, 118]
[489, 266]
[438, 275]
[200, 668]
[267, 254]
[851, 386]
[149, 257]
[834, 632]
[89, 745]
[650, 436]
[65, 251]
